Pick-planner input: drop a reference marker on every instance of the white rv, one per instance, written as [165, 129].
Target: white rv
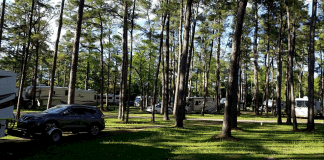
[195, 104]
[111, 98]
[7, 95]
[137, 101]
[301, 108]
[60, 96]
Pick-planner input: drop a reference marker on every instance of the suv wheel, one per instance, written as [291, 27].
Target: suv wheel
[55, 136]
[94, 130]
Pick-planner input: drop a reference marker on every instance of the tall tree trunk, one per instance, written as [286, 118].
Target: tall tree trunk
[158, 66]
[2, 19]
[231, 94]
[167, 54]
[217, 88]
[64, 80]
[176, 96]
[279, 73]
[290, 72]
[101, 64]
[311, 59]
[75, 54]
[256, 56]
[23, 72]
[123, 84]
[108, 74]
[35, 72]
[131, 62]
[180, 108]
[50, 96]
[191, 51]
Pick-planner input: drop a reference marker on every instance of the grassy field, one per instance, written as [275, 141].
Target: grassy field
[141, 139]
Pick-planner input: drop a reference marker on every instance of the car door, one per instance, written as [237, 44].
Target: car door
[71, 119]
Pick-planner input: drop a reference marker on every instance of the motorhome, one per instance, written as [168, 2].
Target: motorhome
[7, 95]
[301, 108]
[195, 104]
[112, 99]
[60, 96]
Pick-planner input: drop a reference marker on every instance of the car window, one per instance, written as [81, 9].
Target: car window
[56, 109]
[76, 111]
[90, 111]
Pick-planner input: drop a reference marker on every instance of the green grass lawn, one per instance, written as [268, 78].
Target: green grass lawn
[142, 139]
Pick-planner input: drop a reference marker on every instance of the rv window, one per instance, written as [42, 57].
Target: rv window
[109, 97]
[117, 97]
[53, 92]
[95, 97]
[197, 102]
[189, 99]
[66, 92]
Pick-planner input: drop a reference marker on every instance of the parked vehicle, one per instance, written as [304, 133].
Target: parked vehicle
[270, 102]
[75, 118]
[138, 99]
[195, 105]
[157, 109]
[60, 96]
[112, 99]
[301, 107]
[7, 95]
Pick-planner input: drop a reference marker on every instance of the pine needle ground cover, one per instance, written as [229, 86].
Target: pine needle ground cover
[142, 139]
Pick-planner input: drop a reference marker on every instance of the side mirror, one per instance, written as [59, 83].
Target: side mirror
[66, 113]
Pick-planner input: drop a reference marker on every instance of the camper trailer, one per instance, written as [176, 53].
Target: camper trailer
[301, 108]
[7, 95]
[60, 96]
[195, 104]
[137, 101]
[112, 99]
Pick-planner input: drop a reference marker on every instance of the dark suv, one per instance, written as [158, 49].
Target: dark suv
[75, 118]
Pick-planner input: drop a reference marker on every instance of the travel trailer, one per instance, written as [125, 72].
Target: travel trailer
[60, 96]
[301, 108]
[137, 101]
[7, 95]
[195, 104]
[111, 98]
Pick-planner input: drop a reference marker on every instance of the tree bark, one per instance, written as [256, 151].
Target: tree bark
[123, 84]
[158, 67]
[311, 63]
[256, 56]
[50, 96]
[231, 94]
[176, 96]
[2, 19]
[180, 105]
[167, 54]
[101, 64]
[75, 54]
[23, 72]
[131, 62]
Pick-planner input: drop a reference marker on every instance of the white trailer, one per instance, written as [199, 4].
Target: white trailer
[195, 104]
[112, 99]
[138, 99]
[301, 108]
[60, 96]
[7, 95]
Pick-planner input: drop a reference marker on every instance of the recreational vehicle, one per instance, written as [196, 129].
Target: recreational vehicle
[301, 108]
[7, 95]
[195, 104]
[137, 101]
[112, 99]
[60, 96]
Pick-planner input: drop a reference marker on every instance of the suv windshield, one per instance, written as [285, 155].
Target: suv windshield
[56, 109]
